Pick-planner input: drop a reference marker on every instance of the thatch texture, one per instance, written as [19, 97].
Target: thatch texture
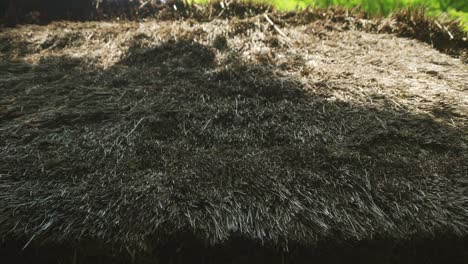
[444, 34]
[131, 135]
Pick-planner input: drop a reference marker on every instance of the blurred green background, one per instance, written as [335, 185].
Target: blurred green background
[457, 9]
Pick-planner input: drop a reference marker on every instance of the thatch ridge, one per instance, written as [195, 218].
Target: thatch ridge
[444, 34]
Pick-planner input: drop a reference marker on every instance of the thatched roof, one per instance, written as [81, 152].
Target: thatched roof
[132, 135]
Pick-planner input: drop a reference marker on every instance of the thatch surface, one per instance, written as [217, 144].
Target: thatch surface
[129, 135]
[444, 34]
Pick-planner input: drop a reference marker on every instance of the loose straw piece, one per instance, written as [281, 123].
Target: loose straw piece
[274, 26]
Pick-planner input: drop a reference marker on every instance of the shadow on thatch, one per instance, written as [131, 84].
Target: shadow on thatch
[173, 146]
[244, 252]
[14, 12]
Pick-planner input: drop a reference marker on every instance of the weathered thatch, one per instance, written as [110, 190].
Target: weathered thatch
[130, 138]
[446, 35]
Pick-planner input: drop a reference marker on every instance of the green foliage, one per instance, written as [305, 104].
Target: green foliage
[457, 9]
[453, 8]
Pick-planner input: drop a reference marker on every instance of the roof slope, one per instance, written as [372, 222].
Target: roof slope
[133, 134]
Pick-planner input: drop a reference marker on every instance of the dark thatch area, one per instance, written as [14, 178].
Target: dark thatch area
[231, 140]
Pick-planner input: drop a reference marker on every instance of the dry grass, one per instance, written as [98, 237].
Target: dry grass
[444, 34]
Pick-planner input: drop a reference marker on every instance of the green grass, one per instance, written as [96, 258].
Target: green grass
[457, 9]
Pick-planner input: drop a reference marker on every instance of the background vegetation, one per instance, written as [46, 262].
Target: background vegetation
[457, 9]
